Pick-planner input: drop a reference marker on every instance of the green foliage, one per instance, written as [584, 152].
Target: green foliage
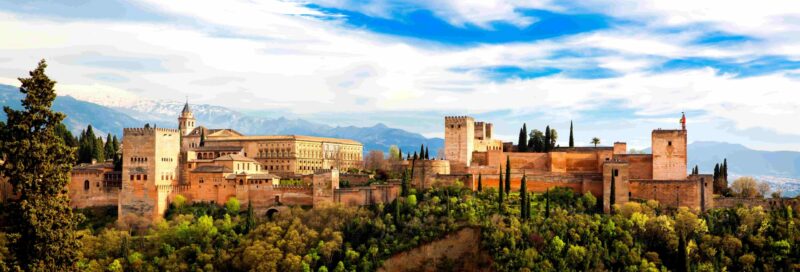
[37, 164]
[232, 206]
[411, 200]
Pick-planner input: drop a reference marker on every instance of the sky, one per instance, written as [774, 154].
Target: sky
[616, 69]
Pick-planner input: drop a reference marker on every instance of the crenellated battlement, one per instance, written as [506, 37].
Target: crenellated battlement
[140, 131]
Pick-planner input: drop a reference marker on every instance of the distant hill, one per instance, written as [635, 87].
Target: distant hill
[780, 168]
[744, 161]
[79, 113]
[113, 118]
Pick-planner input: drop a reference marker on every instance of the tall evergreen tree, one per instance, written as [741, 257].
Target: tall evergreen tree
[508, 175]
[523, 197]
[99, 150]
[547, 203]
[500, 187]
[725, 170]
[571, 137]
[480, 182]
[400, 153]
[547, 139]
[523, 138]
[64, 133]
[109, 148]
[250, 221]
[38, 165]
[427, 155]
[415, 156]
[421, 151]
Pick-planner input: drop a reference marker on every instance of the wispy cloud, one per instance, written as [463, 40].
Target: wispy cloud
[619, 68]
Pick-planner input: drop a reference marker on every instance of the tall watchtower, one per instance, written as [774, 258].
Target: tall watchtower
[186, 120]
[459, 137]
[150, 167]
[669, 154]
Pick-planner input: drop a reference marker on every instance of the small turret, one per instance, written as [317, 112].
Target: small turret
[186, 120]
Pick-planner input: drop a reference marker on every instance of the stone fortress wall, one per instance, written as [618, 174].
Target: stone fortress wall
[584, 169]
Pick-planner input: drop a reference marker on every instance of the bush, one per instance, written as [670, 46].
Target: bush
[232, 206]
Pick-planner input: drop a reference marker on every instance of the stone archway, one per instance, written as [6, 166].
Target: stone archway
[271, 212]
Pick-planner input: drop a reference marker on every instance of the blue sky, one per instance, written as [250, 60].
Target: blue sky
[616, 68]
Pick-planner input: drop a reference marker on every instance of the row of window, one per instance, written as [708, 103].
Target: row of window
[138, 159]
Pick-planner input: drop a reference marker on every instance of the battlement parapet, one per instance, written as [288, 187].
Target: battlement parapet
[458, 119]
[140, 131]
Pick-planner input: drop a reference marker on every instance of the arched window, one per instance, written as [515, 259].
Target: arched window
[241, 182]
[86, 185]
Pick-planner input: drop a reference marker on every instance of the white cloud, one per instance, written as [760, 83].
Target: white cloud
[272, 57]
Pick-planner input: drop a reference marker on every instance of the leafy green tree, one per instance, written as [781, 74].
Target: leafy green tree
[536, 141]
[37, 165]
[232, 206]
[411, 200]
[571, 138]
[553, 138]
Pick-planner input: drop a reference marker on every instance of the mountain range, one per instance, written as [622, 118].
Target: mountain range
[112, 118]
[781, 168]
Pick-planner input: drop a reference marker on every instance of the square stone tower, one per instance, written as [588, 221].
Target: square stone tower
[150, 159]
[459, 139]
[669, 154]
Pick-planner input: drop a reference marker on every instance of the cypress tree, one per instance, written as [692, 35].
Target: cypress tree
[415, 156]
[250, 221]
[109, 147]
[116, 144]
[571, 138]
[547, 203]
[523, 197]
[99, 151]
[547, 139]
[427, 156]
[38, 165]
[725, 171]
[400, 153]
[404, 184]
[717, 179]
[500, 187]
[421, 152]
[523, 138]
[508, 175]
[480, 182]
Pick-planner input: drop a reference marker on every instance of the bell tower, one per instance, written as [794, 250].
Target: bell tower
[186, 120]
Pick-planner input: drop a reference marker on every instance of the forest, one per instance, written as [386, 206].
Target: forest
[565, 231]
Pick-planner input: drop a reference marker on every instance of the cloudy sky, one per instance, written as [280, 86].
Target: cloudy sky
[617, 68]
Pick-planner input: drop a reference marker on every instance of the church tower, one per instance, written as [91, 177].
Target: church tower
[186, 120]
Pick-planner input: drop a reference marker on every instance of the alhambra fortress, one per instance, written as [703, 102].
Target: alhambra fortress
[213, 165]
